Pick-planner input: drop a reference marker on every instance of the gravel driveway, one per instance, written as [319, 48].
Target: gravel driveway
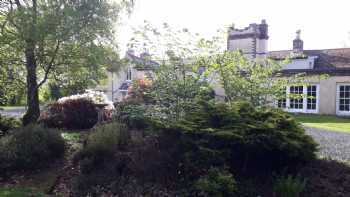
[334, 145]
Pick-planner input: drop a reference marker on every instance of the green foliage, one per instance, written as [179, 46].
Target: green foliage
[99, 160]
[245, 136]
[175, 92]
[66, 43]
[104, 140]
[259, 82]
[8, 123]
[19, 192]
[289, 186]
[216, 182]
[30, 147]
[132, 115]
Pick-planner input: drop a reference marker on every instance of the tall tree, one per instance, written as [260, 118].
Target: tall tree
[47, 35]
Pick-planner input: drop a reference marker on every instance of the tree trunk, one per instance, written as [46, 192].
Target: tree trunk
[33, 111]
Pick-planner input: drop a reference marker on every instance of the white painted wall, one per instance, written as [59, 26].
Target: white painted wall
[245, 45]
[307, 63]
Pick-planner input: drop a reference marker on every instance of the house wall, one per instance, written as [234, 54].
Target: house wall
[328, 93]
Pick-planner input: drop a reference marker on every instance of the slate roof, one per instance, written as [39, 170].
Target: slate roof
[329, 61]
[142, 63]
[124, 86]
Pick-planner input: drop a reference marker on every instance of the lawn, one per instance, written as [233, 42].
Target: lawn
[19, 192]
[333, 123]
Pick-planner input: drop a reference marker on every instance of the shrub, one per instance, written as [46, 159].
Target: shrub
[248, 139]
[216, 182]
[77, 111]
[30, 147]
[8, 123]
[131, 114]
[71, 114]
[103, 142]
[289, 186]
[99, 160]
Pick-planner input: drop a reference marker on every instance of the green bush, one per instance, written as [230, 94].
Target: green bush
[218, 183]
[289, 186]
[99, 160]
[103, 141]
[132, 114]
[246, 137]
[8, 123]
[30, 147]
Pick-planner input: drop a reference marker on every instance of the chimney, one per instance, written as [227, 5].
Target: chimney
[263, 28]
[298, 44]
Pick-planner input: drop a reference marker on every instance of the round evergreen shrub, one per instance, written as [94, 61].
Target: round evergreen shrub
[30, 147]
[247, 138]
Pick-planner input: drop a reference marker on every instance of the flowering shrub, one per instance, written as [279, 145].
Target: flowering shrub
[138, 91]
[79, 111]
[95, 96]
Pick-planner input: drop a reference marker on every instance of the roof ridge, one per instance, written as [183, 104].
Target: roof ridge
[286, 50]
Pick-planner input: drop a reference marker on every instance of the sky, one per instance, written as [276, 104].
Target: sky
[323, 23]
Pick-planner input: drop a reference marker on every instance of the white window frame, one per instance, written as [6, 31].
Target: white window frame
[304, 109]
[314, 111]
[288, 106]
[338, 112]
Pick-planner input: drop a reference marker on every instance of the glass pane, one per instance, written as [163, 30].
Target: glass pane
[342, 101]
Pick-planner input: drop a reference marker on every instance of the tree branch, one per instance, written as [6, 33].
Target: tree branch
[49, 67]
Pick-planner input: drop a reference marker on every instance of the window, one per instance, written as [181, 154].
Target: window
[344, 98]
[128, 74]
[296, 100]
[282, 103]
[311, 97]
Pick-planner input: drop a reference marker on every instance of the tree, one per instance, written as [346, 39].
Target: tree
[261, 82]
[183, 54]
[49, 36]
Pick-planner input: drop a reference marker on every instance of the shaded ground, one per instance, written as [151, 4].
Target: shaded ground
[334, 145]
[331, 123]
[53, 181]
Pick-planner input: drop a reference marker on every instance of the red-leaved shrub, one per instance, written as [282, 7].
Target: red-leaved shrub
[71, 114]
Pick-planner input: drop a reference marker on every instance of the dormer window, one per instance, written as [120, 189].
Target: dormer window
[307, 62]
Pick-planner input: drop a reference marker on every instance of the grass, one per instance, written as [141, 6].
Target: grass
[11, 107]
[332, 123]
[19, 192]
